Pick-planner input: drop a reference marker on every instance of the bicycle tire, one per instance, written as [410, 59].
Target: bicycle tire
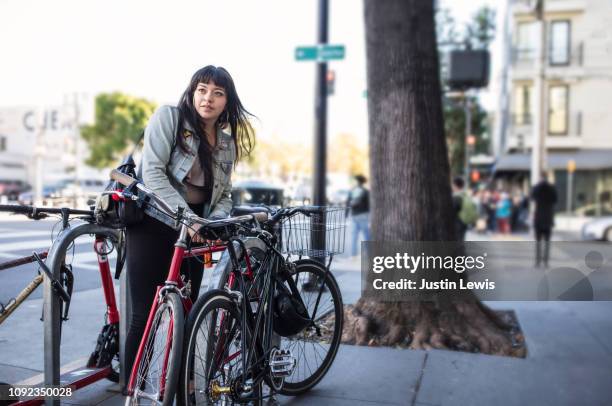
[171, 304]
[304, 377]
[200, 327]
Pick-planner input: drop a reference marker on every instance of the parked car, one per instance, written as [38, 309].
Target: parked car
[12, 188]
[257, 192]
[598, 229]
[49, 193]
[86, 189]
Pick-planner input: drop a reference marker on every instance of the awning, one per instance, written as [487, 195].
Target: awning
[586, 159]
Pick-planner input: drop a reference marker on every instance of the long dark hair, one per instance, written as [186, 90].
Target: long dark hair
[235, 116]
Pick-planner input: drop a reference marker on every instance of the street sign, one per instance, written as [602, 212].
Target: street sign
[306, 53]
[320, 53]
[331, 52]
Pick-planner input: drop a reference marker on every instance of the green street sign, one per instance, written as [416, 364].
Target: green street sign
[306, 53]
[320, 53]
[331, 52]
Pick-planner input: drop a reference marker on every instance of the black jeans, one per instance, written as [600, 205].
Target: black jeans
[150, 246]
[542, 238]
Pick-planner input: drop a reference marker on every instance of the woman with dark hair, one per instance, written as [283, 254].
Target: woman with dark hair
[188, 155]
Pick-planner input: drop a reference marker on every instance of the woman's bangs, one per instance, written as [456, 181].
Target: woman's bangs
[217, 75]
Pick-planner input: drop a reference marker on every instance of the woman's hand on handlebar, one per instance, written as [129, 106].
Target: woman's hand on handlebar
[195, 235]
[199, 239]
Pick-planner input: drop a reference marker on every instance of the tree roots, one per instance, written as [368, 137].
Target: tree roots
[465, 326]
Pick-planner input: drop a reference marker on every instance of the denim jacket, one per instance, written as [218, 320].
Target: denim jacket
[164, 173]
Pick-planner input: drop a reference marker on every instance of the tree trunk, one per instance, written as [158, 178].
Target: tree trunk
[410, 185]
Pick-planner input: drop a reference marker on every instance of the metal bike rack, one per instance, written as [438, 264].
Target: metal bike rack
[51, 303]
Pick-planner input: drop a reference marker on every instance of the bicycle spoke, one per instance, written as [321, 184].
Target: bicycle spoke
[154, 381]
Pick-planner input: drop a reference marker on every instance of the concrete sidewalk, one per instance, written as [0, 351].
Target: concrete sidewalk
[569, 360]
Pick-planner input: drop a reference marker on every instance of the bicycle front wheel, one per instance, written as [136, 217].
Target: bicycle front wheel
[213, 371]
[158, 369]
[316, 346]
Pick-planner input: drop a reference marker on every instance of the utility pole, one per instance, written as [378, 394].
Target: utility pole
[467, 106]
[39, 155]
[538, 149]
[320, 147]
[499, 144]
[77, 156]
[320, 139]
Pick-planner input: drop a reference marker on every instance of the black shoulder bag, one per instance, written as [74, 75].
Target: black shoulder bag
[114, 212]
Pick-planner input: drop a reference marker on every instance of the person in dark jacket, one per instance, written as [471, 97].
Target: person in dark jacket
[544, 196]
[460, 226]
[359, 205]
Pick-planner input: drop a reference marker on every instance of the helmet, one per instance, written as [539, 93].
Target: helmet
[290, 314]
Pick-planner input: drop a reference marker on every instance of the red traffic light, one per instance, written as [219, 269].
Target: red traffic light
[331, 75]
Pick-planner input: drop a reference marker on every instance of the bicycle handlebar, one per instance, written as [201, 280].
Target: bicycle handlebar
[290, 211]
[127, 180]
[33, 210]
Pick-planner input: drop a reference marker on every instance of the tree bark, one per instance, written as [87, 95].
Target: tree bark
[410, 181]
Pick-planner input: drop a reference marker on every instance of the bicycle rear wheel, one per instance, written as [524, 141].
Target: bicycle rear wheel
[157, 371]
[316, 346]
[212, 368]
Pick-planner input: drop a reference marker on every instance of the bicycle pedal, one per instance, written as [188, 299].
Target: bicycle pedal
[282, 363]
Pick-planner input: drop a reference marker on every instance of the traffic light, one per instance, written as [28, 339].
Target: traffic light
[331, 81]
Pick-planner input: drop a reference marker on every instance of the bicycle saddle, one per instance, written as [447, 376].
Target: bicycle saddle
[242, 210]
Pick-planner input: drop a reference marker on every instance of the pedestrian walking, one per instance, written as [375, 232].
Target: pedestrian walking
[489, 209]
[188, 155]
[359, 205]
[466, 211]
[544, 196]
[503, 212]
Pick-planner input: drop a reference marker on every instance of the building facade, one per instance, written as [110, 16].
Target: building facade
[572, 114]
[38, 142]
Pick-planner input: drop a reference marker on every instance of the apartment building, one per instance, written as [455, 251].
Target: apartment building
[575, 107]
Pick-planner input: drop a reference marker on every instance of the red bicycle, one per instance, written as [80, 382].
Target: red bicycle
[155, 374]
[103, 361]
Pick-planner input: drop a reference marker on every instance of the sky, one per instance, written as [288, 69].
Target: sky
[150, 49]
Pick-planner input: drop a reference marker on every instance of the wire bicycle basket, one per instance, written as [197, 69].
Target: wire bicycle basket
[319, 233]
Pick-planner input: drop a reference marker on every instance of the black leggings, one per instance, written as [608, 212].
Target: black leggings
[150, 246]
